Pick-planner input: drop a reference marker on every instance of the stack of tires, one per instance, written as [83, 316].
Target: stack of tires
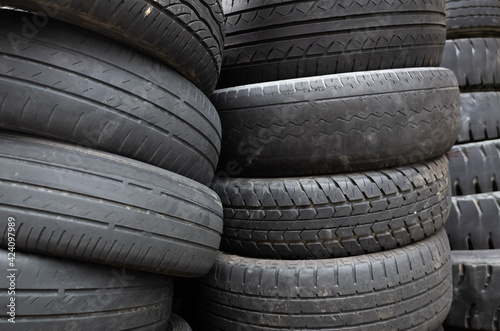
[473, 53]
[333, 177]
[107, 146]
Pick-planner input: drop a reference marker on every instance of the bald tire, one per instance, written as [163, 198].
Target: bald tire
[408, 288]
[78, 86]
[60, 295]
[334, 216]
[78, 203]
[472, 18]
[186, 35]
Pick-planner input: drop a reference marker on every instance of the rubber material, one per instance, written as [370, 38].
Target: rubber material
[476, 303]
[407, 288]
[284, 39]
[77, 86]
[62, 295]
[480, 116]
[338, 123]
[177, 323]
[78, 203]
[334, 216]
[187, 35]
[475, 62]
[474, 222]
[472, 18]
[475, 167]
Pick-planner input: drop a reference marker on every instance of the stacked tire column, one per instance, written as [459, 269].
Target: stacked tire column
[335, 186]
[473, 53]
[108, 142]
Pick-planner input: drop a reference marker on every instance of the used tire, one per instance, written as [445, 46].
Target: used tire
[177, 323]
[480, 116]
[77, 86]
[472, 18]
[334, 216]
[476, 303]
[187, 35]
[474, 222]
[338, 123]
[475, 167]
[275, 40]
[475, 62]
[408, 288]
[60, 295]
[74, 202]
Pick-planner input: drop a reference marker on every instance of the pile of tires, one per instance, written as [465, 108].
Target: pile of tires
[333, 174]
[108, 141]
[473, 53]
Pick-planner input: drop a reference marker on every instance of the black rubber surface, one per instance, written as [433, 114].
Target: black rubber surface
[64, 295]
[476, 303]
[269, 40]
[77, 86]
[480, 116]
[407, 288]
[472, 18]
[474, 222]
[78, 203]
[338, 123]
[334, 216]
[187, 35]
[475, 167]
[475, 62]
[177, 323]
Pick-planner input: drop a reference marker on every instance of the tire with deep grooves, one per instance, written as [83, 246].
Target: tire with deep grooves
[187, 35]
[77, 86]
[408, 288]
[475, 62]
[59, 294]
[480, 116]
[474, 167]
[334, 216]
[83, 204]
[472, 18]
[476, 303]
[274, 40]
[474, 222]
[338, 123]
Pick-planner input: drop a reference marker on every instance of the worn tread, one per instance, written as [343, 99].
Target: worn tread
[475, 62]
[77, 86]
[187, 35]
[480, 116]
[476, 303]
[83, 204]
[472, 18]
[60, 295]
[475, 167]
[407, 288]
[274, 40]
[338, 123]
[334, 216]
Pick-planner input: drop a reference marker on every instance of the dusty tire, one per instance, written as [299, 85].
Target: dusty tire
[480, 116]
[187, 35]
[475, 167]
[408, 288]
[74, 202]
[476, 303]
[474, 222]
[338, 123]
[334, 216]
[475, 62]
[77, 86]
[59, 294]
[472, 18]
[275, 40]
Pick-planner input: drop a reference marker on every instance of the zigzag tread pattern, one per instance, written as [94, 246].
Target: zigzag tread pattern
[334, 216]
